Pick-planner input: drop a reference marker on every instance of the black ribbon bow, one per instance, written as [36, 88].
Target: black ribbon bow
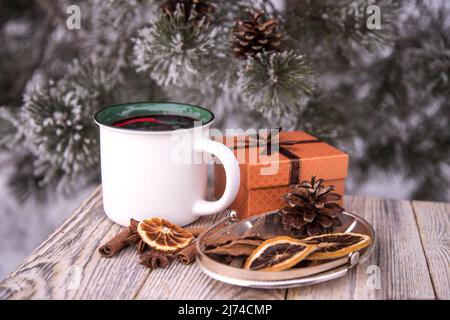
[269, 143]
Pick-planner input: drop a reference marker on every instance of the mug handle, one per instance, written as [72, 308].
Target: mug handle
[231, 166]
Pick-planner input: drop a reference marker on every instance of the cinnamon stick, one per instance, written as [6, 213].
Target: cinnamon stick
[187, 255]
[125, 237]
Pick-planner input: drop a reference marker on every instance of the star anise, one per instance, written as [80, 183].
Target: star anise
[134, 237]
[141, 246]
[156, 259]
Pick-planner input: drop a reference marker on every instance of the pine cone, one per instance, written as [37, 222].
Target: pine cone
[312, 209]
[258, 33]
[156, 259]
[199, 9]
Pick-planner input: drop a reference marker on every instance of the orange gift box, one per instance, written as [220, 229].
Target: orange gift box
[267, 176]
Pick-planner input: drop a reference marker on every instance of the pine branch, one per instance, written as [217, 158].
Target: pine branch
[61, 134]
[173, 50]
[276, 83]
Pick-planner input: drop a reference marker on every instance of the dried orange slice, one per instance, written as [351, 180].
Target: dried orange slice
[336, 245]
[163, 235]
[278, 254]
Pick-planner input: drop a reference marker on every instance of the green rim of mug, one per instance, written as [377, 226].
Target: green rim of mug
[110, 114]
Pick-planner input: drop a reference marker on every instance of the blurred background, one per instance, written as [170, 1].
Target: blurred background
[371, 80]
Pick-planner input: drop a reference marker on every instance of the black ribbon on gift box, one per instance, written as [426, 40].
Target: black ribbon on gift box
[269, 143]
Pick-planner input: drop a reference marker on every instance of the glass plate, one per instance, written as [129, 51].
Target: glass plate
[268, 225]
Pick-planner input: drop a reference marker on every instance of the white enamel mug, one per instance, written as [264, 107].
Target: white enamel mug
[160, 173]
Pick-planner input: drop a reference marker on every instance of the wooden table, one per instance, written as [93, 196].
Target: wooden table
[412, 256]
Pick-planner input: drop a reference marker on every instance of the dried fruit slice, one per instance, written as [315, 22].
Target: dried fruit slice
[235, 248]
[163, 235]
[278, 254]
[336, 245]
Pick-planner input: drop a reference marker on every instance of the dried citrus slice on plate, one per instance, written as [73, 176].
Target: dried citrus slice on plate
[278, 254]
[163, 235]
[336, 245]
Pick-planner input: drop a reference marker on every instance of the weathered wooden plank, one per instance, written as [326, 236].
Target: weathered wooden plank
[189, 282]
[67, 265]
[433, 220]
[398, 255]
